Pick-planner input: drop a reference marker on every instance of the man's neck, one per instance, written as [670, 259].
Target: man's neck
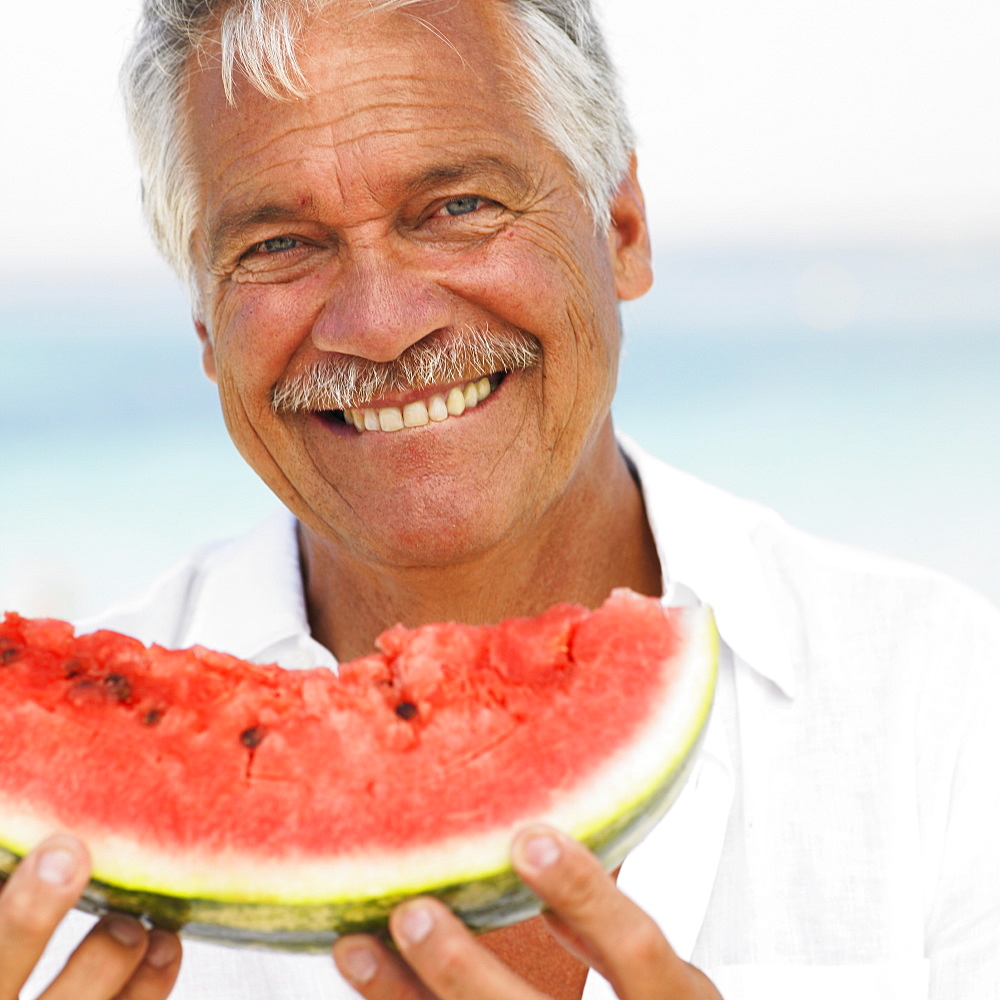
[593, 539]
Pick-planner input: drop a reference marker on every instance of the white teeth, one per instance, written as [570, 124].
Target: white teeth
[456, 402]
[415, 414]
[437, 409]
[420, 412]
[390, 418]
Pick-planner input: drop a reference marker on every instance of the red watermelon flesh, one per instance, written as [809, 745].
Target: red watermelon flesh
[198, 778]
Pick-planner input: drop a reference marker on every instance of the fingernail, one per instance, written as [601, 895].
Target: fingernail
[56, 866]
[414, 924]
[541, 851]
[126, 932]
[359, 965]
[162, 950]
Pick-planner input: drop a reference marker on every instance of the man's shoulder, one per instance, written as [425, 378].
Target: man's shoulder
[832, 600]
[165, 611]
[844, 578]
[864, 621]
[799, 559]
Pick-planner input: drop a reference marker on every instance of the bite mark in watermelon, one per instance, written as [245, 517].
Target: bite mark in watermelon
[255, 805]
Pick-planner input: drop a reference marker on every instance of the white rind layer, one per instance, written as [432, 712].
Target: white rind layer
[658, 755]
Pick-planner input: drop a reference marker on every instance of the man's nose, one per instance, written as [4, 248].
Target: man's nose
[379, 304]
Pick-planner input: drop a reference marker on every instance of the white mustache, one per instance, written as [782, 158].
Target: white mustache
[345, 381]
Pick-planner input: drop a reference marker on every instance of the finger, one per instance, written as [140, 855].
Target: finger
[375, 972]
[599, 922]
[43, 887]
[569, 940]
[103, 961]
[447, 958]
[157, 973]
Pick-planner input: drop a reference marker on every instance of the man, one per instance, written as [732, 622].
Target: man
[406, 246]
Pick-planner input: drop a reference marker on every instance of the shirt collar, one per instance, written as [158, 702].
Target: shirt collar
[704, 537]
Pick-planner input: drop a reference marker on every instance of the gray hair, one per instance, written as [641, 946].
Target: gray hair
[572, 93]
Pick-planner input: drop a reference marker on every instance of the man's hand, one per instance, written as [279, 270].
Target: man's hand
[117, 959]
[441, 960]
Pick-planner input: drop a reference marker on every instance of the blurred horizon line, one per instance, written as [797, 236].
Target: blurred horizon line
[148, 265]
[886, 289]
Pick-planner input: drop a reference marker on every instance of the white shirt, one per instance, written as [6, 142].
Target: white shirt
[838, 837]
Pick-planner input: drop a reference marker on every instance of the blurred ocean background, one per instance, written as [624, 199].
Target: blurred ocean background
[823, 336]
[858, 392]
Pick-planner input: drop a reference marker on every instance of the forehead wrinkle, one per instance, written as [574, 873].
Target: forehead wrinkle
[320, 117]
[377, 128]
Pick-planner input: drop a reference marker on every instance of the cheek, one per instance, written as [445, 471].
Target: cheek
[528, 282]
[256, 332]
[532, 278]
[562, 291]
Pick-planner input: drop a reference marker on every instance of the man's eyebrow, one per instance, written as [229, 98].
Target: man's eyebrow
[230, 225]
[471, 169]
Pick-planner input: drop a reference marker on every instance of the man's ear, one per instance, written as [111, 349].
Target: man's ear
[207, 350]
[628, 238]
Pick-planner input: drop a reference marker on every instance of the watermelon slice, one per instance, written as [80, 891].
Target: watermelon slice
[254, 805]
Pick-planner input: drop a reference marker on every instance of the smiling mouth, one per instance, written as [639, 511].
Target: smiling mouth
[435, 408]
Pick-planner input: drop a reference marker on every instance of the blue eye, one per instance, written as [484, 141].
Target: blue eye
[463, 206]
[276, 244]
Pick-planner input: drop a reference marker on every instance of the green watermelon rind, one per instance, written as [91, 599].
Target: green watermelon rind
[486, 897]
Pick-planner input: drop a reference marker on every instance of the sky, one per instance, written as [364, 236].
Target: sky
[813, 122]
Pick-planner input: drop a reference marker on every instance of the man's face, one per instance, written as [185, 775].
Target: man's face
[407, 201]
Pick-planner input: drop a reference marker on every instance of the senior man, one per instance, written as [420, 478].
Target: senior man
[406, 226]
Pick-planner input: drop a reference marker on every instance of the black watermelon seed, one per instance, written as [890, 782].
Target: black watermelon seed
[73, 667]
[8, 653]
[119, 686]
[153, 716]
[252, 737]
[406, 710]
